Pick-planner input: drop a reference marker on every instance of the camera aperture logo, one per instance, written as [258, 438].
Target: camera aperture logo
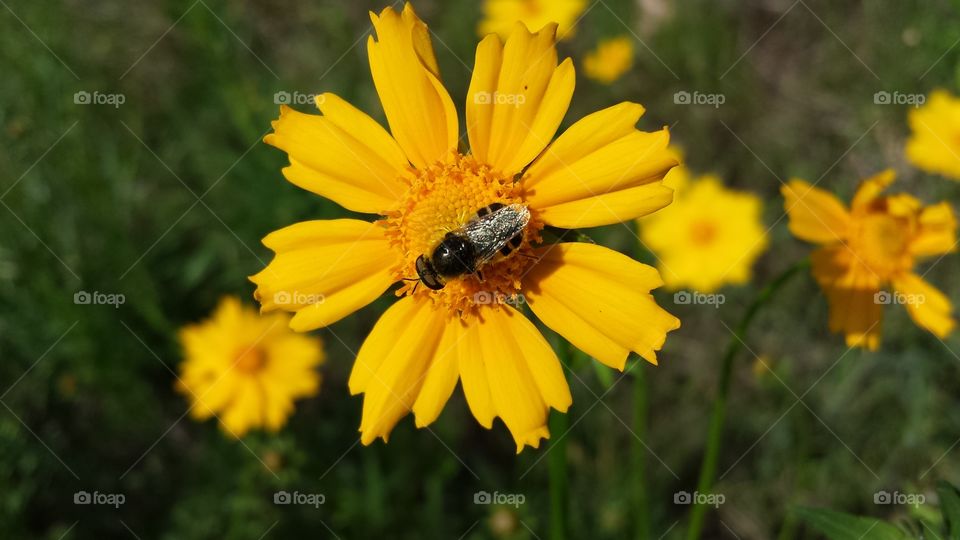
[283, 97]
[898, 298]
[307, 499]
[497, 98]
[897, 98]
[107, 499]
[699, 98]
[489, 298]
[505, 499]
[297, 298]
[709, 499]
[98, 98]
[886, 497]
[97, 298]
[686, 298]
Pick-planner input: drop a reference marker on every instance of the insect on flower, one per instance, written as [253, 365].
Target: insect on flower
[494, 229]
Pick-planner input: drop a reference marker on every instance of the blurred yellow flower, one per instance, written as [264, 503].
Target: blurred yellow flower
[873, 245]
[610, 60]
[934, 145]
[246, 369]
[500, 16]
[463, 325]
[709, 237]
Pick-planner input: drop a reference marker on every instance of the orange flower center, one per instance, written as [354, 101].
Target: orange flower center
[443, 198]
[250, 360]
[703, 232]
[882, 241]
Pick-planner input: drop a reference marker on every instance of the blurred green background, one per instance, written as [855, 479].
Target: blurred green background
[164, 199]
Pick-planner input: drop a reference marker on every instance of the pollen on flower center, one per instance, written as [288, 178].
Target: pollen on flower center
[249, 360]
[443, 198]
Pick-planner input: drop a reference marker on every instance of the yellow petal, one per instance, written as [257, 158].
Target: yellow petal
[393, 362]
[325, 270]
[419, 110]
[937, 234]
[517, 98]
[442, 375]
[486, 72]
[473, 375]
[871, 188]
[855, 310]
[933, 144]
[927, 306]
[815, 215]
[615, 207]
[524, 373]
[599, 300]
[601, 170]
[244, 410]
[344, 155]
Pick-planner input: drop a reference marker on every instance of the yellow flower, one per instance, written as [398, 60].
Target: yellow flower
[874, 244]
[600, 171]
[246, 369]
[710, 236]
[500, 16]
[934, 145]
[610, 60]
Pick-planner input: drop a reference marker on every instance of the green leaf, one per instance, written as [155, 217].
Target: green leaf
[950, 508]
[840, 526]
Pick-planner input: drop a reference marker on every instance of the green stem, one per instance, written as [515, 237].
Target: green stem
[639, 452]
[559, 423]
[708, 469]
[641, 499]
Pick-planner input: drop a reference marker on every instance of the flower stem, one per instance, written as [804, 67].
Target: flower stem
[708, 468]
[639, 452]
[559, 423]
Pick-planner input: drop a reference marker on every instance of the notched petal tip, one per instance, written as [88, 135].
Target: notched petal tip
[531, 438]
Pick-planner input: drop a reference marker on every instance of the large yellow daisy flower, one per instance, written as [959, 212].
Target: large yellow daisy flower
[934, 144]
[600, 171]
[874, 244]
[710, 236]
[246, 369]
[500, 16]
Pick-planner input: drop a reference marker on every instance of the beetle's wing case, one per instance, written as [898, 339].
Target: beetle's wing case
[491, 232]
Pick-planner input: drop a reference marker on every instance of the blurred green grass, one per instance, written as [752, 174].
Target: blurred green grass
[106, 199]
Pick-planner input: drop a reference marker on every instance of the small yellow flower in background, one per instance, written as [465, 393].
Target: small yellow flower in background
[709, 237]
[246, 369]
[610, 60]
[500, 16]
[934, 144]
[463, 326]
[873, 245]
